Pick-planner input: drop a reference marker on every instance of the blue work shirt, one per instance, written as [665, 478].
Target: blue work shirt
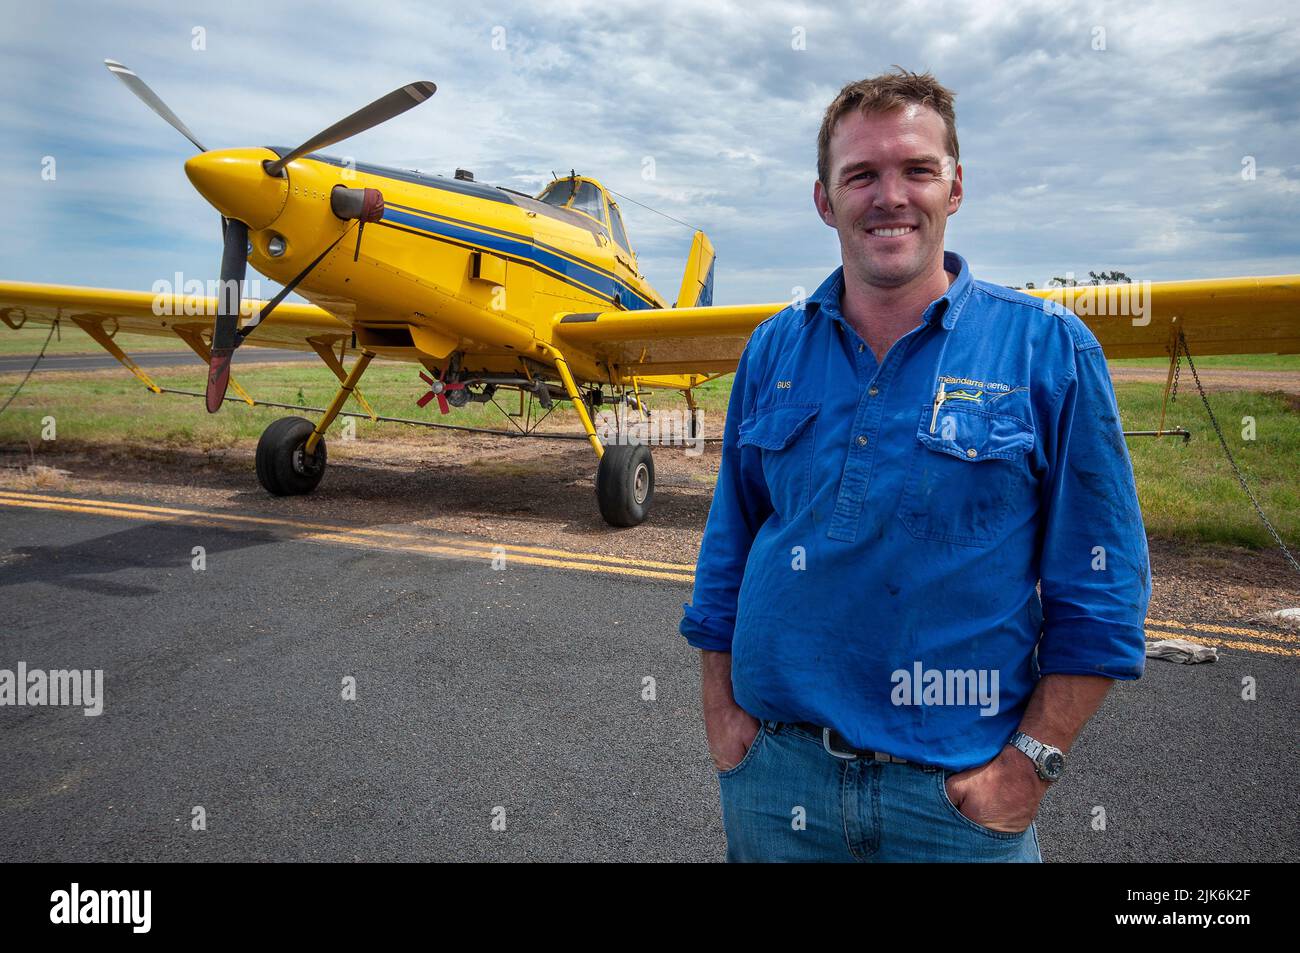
[879, 531]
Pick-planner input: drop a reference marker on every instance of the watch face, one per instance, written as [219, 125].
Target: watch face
[1054, 765]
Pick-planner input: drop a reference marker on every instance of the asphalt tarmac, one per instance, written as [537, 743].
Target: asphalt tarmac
[484, 694]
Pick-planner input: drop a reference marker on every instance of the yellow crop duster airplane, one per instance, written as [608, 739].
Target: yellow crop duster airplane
[488, 288]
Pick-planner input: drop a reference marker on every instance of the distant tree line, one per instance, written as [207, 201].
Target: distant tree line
[1094, 278]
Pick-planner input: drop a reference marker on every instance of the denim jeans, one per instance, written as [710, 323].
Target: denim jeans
[790, 800]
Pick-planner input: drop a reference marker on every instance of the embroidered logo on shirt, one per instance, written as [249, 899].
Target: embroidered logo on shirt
[983, 385]
[977, 396]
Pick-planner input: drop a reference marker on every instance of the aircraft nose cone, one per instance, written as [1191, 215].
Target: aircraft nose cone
[234, 181]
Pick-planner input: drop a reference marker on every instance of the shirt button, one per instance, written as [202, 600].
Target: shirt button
[861, 347]
[972, 453]
[862, 440]
[873, 392]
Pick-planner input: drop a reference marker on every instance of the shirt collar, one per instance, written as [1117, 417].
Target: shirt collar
[947, 308]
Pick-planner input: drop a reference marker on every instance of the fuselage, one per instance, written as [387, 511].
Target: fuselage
[453, 265]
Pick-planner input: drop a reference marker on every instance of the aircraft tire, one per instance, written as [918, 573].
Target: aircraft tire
[625, 484]
[283, 468]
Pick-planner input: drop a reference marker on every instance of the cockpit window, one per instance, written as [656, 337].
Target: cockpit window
[620, 233]
[557, 193]
[587, 199]
[584, 198]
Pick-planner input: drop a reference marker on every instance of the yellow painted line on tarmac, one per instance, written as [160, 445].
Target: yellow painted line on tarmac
[1220, 643]
[1228, 630]
[334, 535]
[677, 569]
[396, 540]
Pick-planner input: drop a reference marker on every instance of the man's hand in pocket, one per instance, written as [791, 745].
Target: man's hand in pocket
[1002, 795]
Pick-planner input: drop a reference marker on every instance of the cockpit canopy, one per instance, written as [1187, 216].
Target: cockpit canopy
[581, 194]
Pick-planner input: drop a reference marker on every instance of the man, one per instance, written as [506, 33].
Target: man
[907, 454]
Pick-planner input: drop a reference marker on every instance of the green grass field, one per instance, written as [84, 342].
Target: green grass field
[1187, 490]
[1253, 362]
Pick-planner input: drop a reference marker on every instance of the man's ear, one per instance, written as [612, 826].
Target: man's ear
[823, 202]
[956, 193]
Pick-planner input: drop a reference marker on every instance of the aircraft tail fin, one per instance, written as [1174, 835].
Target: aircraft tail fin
[697, 282]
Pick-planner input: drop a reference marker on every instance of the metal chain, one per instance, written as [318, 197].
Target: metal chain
[1178, 366]
[1182, 342]
[53, 328]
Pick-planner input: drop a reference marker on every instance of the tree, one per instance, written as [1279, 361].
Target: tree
[1110, 278]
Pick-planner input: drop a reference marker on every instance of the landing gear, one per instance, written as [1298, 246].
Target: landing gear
[625, 484]
[291, 453]
[625, 477]
[284, 467]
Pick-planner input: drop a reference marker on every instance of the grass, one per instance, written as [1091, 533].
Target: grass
[1187, 491]
[110, 407]
[1253, 362]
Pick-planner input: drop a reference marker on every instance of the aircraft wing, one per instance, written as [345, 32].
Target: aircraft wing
[666, 341]
[142, 312]
[1218, 316]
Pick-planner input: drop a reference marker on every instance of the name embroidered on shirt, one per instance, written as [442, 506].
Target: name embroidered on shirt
[971, 382]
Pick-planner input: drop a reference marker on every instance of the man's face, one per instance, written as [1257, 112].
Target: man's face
[892, 187]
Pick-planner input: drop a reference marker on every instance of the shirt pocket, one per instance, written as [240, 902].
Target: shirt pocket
[784, 434]
[963, 478]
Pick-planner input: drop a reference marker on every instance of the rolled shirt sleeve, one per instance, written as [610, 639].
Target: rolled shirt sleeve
[1095, 569]
[740, 507]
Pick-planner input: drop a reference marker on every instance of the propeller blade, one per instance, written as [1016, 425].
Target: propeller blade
[381, 110]
[150, 99]
[234, 263]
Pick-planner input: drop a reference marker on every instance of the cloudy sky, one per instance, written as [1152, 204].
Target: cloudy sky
[1094, 135]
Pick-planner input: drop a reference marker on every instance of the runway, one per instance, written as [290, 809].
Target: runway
[483, 693]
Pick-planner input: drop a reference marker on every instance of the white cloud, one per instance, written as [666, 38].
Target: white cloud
[1074, 158]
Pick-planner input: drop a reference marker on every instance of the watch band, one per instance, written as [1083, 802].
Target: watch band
[1030, 746]
[1040, 754]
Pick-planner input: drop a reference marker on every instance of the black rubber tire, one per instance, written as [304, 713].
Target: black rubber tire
[625, 484]
[282, 467]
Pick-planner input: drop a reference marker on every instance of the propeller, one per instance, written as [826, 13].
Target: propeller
[234, 262]
[150, 99]
[381, 110]
[439, 390]
[234, 233]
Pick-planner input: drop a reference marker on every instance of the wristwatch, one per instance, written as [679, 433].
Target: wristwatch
[1048, 761]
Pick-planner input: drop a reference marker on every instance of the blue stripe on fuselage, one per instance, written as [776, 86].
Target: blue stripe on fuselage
[518, 247]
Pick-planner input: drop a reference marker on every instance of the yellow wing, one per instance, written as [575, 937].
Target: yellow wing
[666, 341]
[142, 312]
[1218, 316]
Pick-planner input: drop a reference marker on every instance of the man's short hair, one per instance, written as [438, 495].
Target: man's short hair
[883, 93]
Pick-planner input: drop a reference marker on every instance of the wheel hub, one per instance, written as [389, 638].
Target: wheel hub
[640, 483]
[302, 463]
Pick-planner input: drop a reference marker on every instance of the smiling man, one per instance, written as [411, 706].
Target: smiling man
[910, 455]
